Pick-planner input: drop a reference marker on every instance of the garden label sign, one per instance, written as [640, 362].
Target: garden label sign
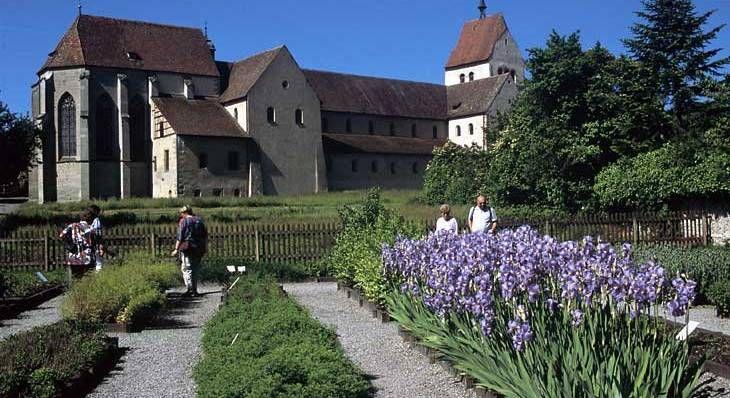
[686, 330]
[41, 277]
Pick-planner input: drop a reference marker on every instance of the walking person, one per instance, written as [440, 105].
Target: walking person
[77, 239]
[482, 217]
[97, 237]
[191, 245]
[446, 222]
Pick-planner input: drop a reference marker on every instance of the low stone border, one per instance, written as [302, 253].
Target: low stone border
[355, 294]
[10, 307]
[122, 328]
[85, 381]
[716, 368]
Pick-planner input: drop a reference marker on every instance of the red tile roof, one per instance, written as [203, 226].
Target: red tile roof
[477, 41]
[116, 43]
[378, 96]
[473, 98]
[242, 75]
[358, 143]
[198, 117]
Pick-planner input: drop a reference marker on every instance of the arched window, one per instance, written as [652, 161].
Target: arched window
[471, 129]
[392, 167]
[299, 117]
[415, 167]
[471, 76]
[161, 129]
[462, 78]
[67, 126]
[500, 70]
[371, 127]
[414, 130]
[354, 166]
[325, 125]
[137, 129]
[392, 128]
[236, 192]
[512, 73]
[458, 131]
[348, 125]
[374, 166]
[104, 127]
[271, 115]
[202, 160]
[235, 113]
[435, 132]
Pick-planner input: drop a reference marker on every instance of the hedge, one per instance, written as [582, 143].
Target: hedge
[39, 362]
[262, 344]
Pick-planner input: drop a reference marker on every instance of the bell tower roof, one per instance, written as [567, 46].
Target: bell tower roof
[477, 41]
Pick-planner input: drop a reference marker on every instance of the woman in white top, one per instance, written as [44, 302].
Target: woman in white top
[446, 222]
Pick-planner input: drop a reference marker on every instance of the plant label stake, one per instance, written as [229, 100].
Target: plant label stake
[234, 339]
[41, 277]
[234, 283]
[686, 330]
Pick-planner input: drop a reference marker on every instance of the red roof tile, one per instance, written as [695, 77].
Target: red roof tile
[472, 98]
[358, 143]
[198, 117]
[115, 43]
[242, 75]
[377, 96]
[477, 41]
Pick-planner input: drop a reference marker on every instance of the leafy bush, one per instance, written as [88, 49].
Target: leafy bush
[37, 363]
[25, 283]
[455, 174]
[132, 291]
[262, 344]
[703, 265]
[355, 258]
[719, 295]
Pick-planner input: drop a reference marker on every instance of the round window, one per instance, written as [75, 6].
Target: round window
[285, 84]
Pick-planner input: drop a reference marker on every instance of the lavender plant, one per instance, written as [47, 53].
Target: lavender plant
[530, 316]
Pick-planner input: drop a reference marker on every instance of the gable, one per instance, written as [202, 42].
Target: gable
[242, 75]
[477, 41]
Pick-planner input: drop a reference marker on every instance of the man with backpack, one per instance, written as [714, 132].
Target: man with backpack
[191, 244]
[482, 217]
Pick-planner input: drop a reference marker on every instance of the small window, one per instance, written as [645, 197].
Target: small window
[512, 73]
[237, 192]
[471, 129]
[458, 131]
[371, 127]
[328, 163]
[392, 167]
[133, 56]
[391, 128]
[374, 166]
[415, 167]
[271, 115]
[154, 163]
[299, 117]
[414, 130]
[161, 129]
[196, 193]
[202, 160]
[471, 76]
[167, 160]
[233, 161]
[435, 132]
[217, 192]
[325, 125]
[235, 113]
[354, 166]
[348, 125]
[462, 78]
[285, 84]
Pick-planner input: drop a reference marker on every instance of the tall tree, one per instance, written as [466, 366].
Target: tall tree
[19, 140]
[670, 41]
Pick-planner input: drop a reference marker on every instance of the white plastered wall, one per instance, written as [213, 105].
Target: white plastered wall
[481, 71]
[465, 138]
[241, 107]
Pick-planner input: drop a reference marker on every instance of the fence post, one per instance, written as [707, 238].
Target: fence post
[635, 229]
[257, 252]
[704, 225]
[46, 255]
[153, 244]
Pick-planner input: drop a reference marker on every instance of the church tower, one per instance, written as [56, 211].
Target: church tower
[485, 49]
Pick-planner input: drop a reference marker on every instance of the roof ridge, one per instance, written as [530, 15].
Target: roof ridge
[139, 22]
[373, 77]
[498, 14]
[277, 48]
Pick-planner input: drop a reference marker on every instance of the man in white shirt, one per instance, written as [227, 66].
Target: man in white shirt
[482, 217]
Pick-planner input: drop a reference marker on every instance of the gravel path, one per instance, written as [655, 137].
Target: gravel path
[159, 361]
[705, 315]
[375, 347]
[45, 314]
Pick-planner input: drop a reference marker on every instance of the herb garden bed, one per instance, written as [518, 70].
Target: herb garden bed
[10, 307]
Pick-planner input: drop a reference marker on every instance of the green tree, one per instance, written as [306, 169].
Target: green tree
[19, 140]
[455, 174]
[671, 44]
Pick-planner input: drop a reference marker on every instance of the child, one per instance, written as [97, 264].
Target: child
[97, 242]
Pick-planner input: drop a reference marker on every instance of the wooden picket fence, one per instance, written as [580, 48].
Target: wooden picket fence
[309, 242]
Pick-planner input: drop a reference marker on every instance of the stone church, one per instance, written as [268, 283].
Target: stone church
[138, 109]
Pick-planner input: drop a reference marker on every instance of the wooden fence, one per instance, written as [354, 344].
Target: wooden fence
[286, 243]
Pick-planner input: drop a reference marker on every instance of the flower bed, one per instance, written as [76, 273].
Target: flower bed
[528, 316]
[54, 360]
[262, 344]
[21, 290]
[132, 292]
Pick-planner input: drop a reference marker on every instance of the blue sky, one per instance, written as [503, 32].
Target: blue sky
[405, 39]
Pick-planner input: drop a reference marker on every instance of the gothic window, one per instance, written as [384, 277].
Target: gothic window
[104, 126]
[271, 115]
[348, 125]
[471, 129]
[202, 160]
[137, 127]
[462, 78]
[233, 161]
[67, 126]
[392, 128]
[471, 76]
[299, 117]
[414, 130]
[371, 127]
[458, 131]
[374, 166]
[354, 166]
[435, 132]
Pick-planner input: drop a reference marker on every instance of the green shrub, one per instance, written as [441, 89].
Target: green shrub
[719, 295]
[455, 174]
[279, 350]
[25, 283]
[132, 291]
[37, 363]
